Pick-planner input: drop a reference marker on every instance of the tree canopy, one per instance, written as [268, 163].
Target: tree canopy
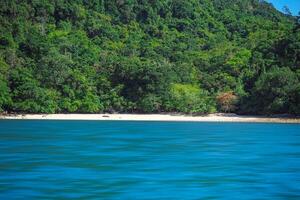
[191, 56]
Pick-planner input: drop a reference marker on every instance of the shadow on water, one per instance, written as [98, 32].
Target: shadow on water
[148, 160]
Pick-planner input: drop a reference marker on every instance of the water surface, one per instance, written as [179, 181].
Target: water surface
[148, 160]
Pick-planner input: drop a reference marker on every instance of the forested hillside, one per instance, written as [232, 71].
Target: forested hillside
[191, 56]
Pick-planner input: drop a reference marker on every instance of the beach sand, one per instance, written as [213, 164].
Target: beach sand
[218, 117]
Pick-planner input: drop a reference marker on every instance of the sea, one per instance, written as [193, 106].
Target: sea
[148, 160]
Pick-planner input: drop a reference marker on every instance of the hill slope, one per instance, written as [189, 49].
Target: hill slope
[193, 56]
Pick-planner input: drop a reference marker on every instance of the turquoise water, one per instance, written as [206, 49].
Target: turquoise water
[148, 160]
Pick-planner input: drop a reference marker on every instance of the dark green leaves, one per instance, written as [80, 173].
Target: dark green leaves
[148, 56]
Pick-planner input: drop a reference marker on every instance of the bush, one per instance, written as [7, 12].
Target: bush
[227, 101]
[150, 103]
[277, 91]
[189, 99]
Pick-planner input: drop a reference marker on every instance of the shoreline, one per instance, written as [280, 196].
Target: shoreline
[217, 117]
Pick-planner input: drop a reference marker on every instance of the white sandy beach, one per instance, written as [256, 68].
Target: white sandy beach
[219, 117]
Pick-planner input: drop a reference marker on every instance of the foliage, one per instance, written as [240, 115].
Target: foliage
[5, 98]
[189, 99]
[28, 96]
[227, 101]
[150, 103]
[277, 91]
[148, 56]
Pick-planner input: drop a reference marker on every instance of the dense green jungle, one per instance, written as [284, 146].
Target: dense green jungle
[148, 56]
